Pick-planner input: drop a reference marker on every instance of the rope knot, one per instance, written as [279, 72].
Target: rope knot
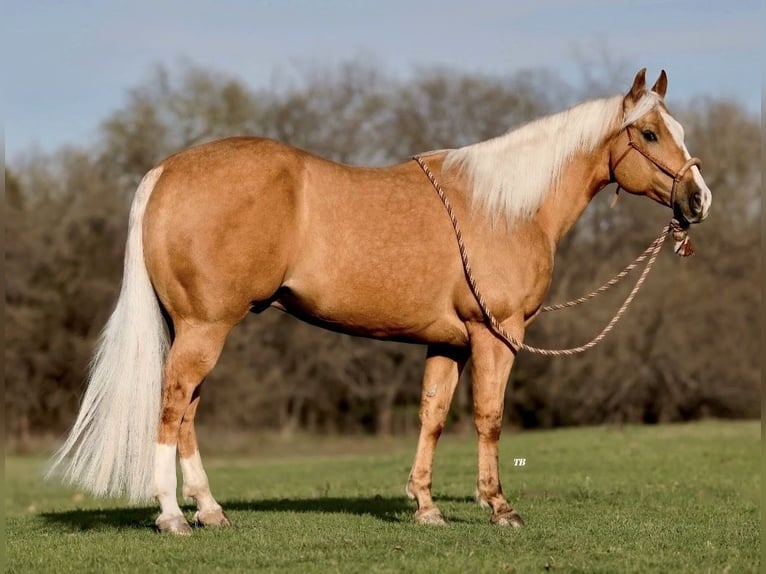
[683, 246]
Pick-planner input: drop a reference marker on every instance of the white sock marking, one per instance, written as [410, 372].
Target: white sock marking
[165, 479]
[196, 484]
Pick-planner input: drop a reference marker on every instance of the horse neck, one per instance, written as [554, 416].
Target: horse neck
[584, 176]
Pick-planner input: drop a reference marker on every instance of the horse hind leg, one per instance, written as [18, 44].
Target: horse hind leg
[195, 482]
[442, 372]
[193, 355]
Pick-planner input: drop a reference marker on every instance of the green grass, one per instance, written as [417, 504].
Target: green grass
[681, 498]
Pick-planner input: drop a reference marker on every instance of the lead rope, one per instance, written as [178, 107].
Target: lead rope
[650, 252]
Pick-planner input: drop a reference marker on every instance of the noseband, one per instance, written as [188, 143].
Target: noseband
[663, 167]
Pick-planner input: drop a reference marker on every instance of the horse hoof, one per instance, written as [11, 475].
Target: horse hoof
[173, 525]
[511, 518]
[430, 516]
[215, 517]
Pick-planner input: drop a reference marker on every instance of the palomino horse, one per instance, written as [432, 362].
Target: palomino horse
[242, 224]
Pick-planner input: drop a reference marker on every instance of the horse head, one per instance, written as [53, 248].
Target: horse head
[649, 157]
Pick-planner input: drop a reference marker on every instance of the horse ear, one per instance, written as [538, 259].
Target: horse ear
[661, 85]
[639, 86]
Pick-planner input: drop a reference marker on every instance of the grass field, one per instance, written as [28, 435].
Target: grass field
[681, 498]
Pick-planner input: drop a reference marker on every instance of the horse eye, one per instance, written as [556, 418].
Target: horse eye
[649, 135]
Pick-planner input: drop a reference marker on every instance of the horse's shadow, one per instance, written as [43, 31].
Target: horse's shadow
[388, 509]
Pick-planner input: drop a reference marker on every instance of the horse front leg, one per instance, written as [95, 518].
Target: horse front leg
[491, 362]
[442, 372]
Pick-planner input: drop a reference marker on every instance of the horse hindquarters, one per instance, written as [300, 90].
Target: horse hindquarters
[217, 235]
[116, 446]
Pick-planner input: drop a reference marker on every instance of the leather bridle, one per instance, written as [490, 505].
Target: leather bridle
[676, 176]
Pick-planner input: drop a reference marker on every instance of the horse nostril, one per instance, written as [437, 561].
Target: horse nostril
[695, 202]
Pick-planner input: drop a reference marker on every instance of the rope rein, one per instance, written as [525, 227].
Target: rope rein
[650, 252]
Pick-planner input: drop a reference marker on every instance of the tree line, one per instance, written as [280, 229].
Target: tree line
[688, 348]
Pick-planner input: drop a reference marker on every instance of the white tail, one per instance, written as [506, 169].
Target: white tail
[110, 449]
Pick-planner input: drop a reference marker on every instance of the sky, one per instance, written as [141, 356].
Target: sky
[70, 64]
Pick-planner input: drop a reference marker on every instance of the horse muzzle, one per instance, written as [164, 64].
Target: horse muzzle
[691, 205]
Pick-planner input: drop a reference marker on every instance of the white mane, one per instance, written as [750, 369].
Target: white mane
[510, 175]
